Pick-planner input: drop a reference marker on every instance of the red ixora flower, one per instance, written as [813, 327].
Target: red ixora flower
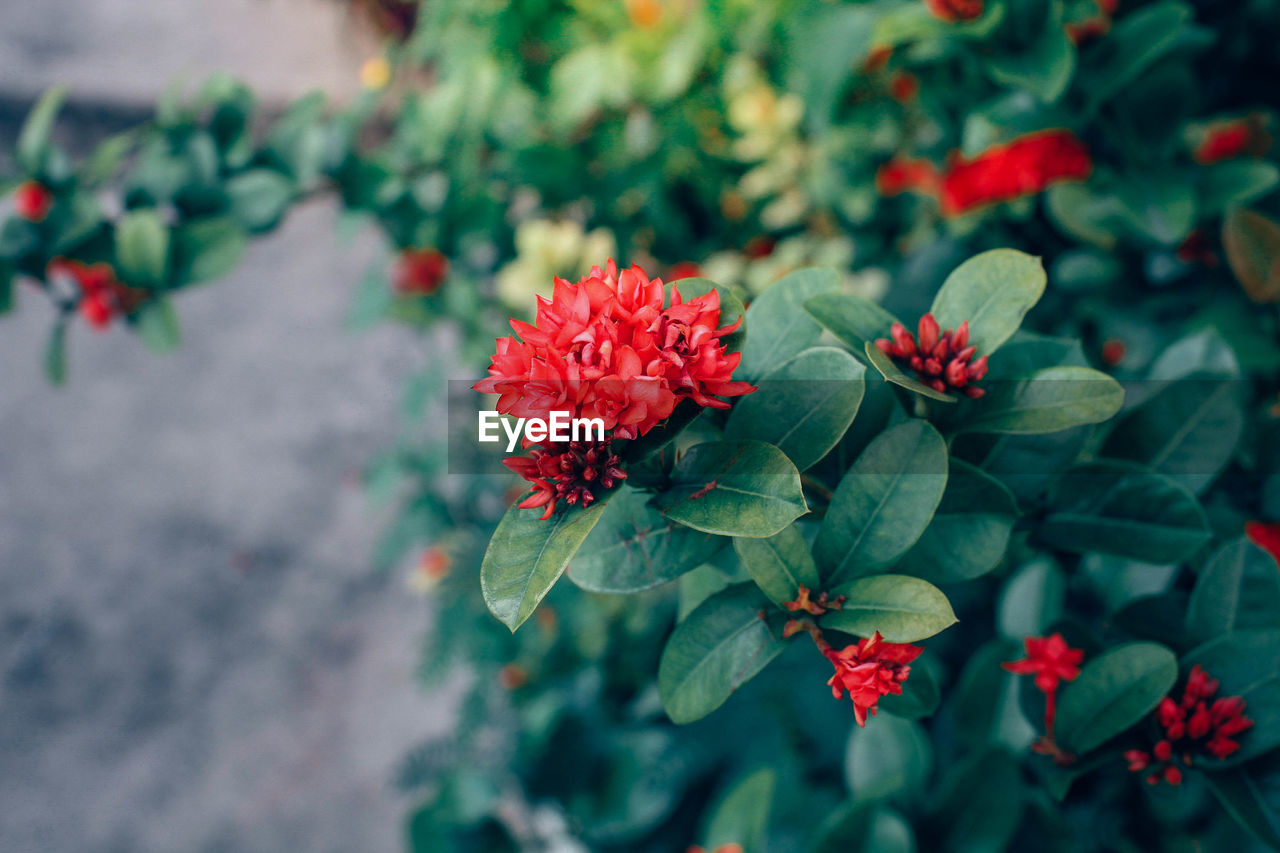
[942, 360]
[1050, 660]
[568, 473]
[1196, 723]
[906, 174]
[420, 271]
[1246, 136]
[102, 296]
[1266, 536]
[1028, 165]
[955, 10]
[870, 669]
[32, 201]
[608, 348]
[684, 269]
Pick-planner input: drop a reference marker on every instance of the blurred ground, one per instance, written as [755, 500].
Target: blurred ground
[194, 654]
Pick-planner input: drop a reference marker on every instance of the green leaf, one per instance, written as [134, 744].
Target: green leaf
[919, 698]
[207, 250]
[1048, 400]
[259, 197]
[987, 708]
[1134, 44]
[891, 372]
[852, 319]
[890, 758]
[32, 149]
[1252, 244]
[865, 828]
[142, 248]
[55, 355]
[993, 291]
[1123, 509]
[1031, 600]
[1239, 589]
[526, 556]
[1225, 185]
[1113, 692]
[903, 609]
[969, 532]
[742, 815]
[1045, 65]
[633, 547]
[980, 804]
[802, 407]
[1188, 430]
[1240, 795]
[779, 564]
[734, 488]
[719, 647]
[158, 326]
[6, 287]
[1246, 664]
[883, 503]
[781, 327]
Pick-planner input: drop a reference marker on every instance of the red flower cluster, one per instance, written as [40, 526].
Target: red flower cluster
[1265, 536]
[1051, 661]
[32, 201]
[1226, 140]
[870, 669]
[941, 360]
[102, 296]
[1192, 723]
[904, 174]
[955, 10]
[607, 348]
[1028, 165]
[567, 474]
[420, 272]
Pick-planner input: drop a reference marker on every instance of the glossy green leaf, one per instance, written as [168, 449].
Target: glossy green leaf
[889, 758]
[742, 815]
[1241, 796]
[987, 708]
[781, 327]
[1238, 590]
[1188, 429]
[1043, 66]
[891, 372]
[852, 319]
[802, 407]
[903, 609]
[779, 564]
[208, 250]
[883, 503]
[158, 326]
[1113, 692]
[865, 827]
[719, 647]
[1123, 509]
[1048, 400]
[1246, 664]
[259, 197]
[992, 291]
[1134, 44]
[1031, 600]
[969, 532]
[142, 248]
[32, 148]
[980, 804]
[734, 488]
[1225, 185]
[634, 547]
[527, 555]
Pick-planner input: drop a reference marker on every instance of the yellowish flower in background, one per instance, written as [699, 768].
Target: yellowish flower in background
[375, 73]
[545, 249]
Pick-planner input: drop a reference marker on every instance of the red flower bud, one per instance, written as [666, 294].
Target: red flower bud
[32, 201]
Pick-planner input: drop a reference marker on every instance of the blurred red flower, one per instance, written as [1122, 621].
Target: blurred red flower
[1266, 536]
[420, 271]
[904, 174]
[1226, 140]
[1050, 660]
[32, 201]
[1028, 165]
[955, 10]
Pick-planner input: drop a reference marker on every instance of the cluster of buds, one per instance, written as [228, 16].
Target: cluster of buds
[574, 473]
[1197, 722]
[102, 296]
[942, 360]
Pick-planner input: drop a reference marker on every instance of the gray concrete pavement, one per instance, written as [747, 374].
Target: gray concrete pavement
[194, 655]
